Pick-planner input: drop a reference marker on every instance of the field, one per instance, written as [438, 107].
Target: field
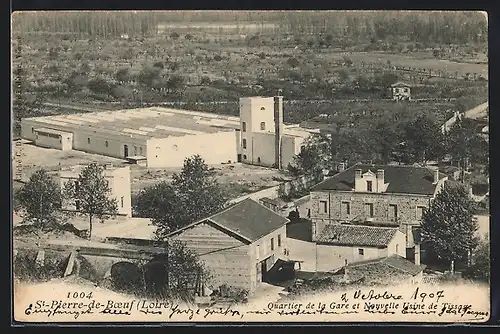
[237, 179]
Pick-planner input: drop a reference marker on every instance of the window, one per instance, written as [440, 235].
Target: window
[420, 211]
[244, 143]
[77, 204]
[257, 252]
[88, 140]
[106, 143]
[361, 251]
[272, 244]
[121, 200]
[32, 130]
[77, 186]
[258, 160]
[279, 240]
[262, 125]
[369, 186]
[369, 209]
[323, 206]
[135, 150]
[244, 127]
[397, 249]
[244, 156]
[345, 208]
[262, 108]
[393, 211]
[140, 150]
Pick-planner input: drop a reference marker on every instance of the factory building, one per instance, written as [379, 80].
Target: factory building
[164, 137]
[265, 139]
[118, 178]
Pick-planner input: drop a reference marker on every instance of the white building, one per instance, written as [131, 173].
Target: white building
[263, 133]
[164, 137]
[119, 182]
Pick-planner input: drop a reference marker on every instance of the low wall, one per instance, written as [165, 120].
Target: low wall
[283, 189]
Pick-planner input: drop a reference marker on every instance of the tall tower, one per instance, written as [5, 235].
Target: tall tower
[256, 120]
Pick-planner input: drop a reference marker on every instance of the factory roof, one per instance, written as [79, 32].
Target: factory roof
[51, 131]
[142, 123]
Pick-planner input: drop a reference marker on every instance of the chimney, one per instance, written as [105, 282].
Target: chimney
[380, 180]
[278, 129]
[436, 175]
[357, 180]
[417, 254]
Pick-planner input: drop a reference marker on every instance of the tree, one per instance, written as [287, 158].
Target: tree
[93, 194]
[448, 226]
[293, 62]
[423, 140]
[480, 268]
[158, 202]
[314, 156]
[175, 83]
[123, 75]
[185, 270]
[174, 35]
[39, 198]
[193, 194]
[99, 86]
[465, 144]
[148, 75]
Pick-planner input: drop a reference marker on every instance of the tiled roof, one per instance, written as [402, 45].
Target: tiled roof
[356, 235]
[401, 179]
[396, 262]
[249, 219]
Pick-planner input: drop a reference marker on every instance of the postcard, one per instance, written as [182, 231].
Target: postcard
[239, 167]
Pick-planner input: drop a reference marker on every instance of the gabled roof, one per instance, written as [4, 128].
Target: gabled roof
[356, 235]
[395, 262]
[401, 179]
[247, 219]
[400, 84]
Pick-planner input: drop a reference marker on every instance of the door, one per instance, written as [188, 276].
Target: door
[239, 157]
[125, 151]
[263, 269]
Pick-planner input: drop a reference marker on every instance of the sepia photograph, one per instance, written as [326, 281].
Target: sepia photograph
[250, 166]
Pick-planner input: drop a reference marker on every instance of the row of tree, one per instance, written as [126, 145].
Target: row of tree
[436, 27]
[393, 138]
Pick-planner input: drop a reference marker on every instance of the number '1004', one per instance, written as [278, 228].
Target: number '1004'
[79, 295]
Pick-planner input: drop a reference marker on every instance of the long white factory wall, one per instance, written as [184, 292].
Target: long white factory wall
[214, 148]
[115, 142]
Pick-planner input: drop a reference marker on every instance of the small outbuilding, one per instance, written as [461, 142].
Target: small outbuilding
[400, 91]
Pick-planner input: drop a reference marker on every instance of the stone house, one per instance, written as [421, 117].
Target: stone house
[239, 245]
[338, 244]
[375, 195]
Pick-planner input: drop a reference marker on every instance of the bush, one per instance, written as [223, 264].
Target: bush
[236, 294]
[26, 268]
